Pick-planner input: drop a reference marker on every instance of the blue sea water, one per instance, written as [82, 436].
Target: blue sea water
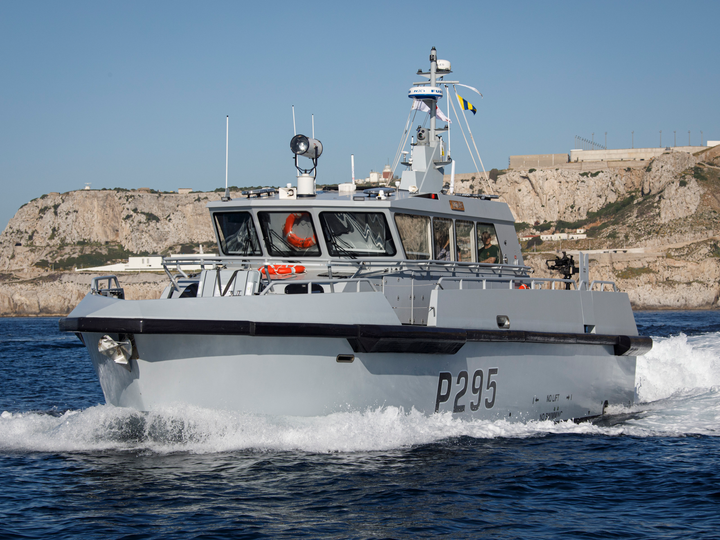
[72, 467]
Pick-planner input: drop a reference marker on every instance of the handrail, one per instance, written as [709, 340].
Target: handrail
[513, 273]
[602, 284]
[532, 281]
[116, 291]
[110, 278]
[310, 282]
[357, 264]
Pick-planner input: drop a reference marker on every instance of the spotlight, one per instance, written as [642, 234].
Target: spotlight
[306, 147]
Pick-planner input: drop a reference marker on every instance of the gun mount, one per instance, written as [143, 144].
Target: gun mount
[565, 265]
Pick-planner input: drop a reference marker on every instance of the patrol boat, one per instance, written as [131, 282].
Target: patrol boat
[409, 296]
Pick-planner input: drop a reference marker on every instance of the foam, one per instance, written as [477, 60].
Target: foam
[678, 394]
[677, 365]
[188, 429]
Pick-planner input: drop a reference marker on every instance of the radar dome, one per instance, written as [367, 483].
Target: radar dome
[443, 65]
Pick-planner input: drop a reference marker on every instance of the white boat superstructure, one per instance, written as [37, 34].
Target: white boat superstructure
[321, 302]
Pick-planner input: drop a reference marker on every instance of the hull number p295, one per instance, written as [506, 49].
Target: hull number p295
[462, 382]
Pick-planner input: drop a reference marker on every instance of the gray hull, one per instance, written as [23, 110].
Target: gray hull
[233, 353]
[302, 376]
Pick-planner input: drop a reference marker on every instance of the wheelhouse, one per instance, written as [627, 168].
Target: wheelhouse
[411, 228]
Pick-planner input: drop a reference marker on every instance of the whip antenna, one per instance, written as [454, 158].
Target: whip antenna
[227, 137]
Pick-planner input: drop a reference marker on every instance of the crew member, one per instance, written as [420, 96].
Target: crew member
[488, 253]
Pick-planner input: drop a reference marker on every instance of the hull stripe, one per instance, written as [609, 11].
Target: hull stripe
[362, 338]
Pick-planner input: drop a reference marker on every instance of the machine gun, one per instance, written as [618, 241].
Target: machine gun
[565, 265]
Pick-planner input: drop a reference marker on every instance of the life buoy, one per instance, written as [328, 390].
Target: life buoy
[523, 286]
[282, 269]
[294, 239]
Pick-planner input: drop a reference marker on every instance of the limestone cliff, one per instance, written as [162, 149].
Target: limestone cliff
[569, 195]
[57, 293]
[653, 230]
[62, 226]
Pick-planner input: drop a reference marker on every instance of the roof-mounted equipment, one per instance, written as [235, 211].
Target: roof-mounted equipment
[311, 149]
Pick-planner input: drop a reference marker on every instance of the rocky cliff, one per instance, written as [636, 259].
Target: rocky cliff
[549, 195]
[57, 293]
[62, 227]
[664, 213]
[653, 230]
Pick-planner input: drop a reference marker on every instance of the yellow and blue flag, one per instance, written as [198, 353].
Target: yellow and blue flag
[465, 104]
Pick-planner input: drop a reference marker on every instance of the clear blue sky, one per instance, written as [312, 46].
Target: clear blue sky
[135, 94]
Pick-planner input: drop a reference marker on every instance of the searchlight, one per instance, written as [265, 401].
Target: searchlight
[303, 146]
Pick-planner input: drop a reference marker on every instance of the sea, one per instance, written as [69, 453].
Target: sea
[73, 467]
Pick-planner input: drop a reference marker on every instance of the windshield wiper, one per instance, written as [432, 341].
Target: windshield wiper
[341, 250]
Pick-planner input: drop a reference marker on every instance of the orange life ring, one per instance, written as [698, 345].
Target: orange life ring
[523, 286]
[294, 239]
[282, 269]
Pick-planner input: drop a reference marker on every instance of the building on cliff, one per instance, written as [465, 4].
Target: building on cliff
[152, 263]
[577, 155]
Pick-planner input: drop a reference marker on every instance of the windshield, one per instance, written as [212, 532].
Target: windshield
[237, 234]
[289, 234]
[357, 234]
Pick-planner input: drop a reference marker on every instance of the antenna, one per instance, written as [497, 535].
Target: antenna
[227, 138]
[313, 125]
[352, 167]
[452, 178]
[294, 128]
[447, 90]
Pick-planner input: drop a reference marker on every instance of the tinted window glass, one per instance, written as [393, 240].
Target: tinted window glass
[357, 234]
[488, 249]
[465, 240]
[237, 233]
[415, 235]
[289, 234]
[443, 237]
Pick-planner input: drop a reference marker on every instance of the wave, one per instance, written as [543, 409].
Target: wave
[200, 431]
[190, 429]
[677, 394]
[678, 365]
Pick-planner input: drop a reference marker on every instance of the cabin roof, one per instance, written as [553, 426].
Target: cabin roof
[455, 206]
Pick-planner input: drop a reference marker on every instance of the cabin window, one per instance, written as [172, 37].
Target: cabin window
[357, 234]
[443, 237]
[289, 234]
[237, 233]
[488, 247]
[464, 233]
[415, 235]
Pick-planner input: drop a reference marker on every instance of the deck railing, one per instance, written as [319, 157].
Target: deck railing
[352, 271]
